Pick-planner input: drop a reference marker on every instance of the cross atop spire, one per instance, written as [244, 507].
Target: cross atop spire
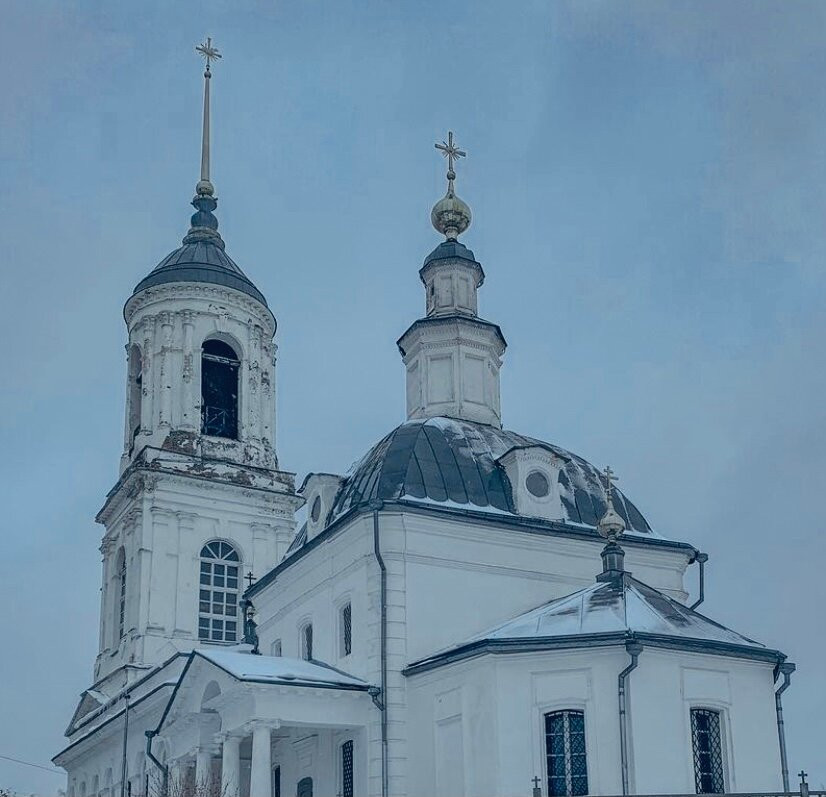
[610, 478]
[452, 153]
[611, 525]
[210, 53]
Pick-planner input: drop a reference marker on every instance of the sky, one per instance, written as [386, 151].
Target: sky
[648, 184]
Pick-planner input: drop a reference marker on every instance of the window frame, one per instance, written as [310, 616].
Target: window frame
[305, 643]
[345, 644]
[121, 587]
[565, 708]
[342, 745]
[208, 619]
[722, 719]
[234, 363]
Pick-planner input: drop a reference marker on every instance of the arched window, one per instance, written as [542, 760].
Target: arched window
[120, 595]
[218, 596]
[135, 394]
[219, 390]
[306, 641]
[707, 745]
[567, 768]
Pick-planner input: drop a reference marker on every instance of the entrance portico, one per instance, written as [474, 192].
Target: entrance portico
[245, 724]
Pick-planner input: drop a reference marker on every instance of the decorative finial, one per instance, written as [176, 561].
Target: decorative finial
[450, 215]
[204, 223]
[611, 526]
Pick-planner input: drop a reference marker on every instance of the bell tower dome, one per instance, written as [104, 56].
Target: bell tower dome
[200, 500]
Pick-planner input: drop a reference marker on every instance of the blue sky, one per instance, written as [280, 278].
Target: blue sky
[648, 182]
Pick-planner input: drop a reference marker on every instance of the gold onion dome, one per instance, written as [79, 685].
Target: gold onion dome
[451, 216]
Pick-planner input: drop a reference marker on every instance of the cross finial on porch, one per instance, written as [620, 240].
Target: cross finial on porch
[803, 775]
[250, 578]
[535, 782]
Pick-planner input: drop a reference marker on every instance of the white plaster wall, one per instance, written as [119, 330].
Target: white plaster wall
[163, 531]
[501, 702]
[462, 578]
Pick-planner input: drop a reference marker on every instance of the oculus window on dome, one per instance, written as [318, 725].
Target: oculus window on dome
[219, 390]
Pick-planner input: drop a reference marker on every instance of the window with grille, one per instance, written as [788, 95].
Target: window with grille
[121, 605]
[347, 769]
[708, 751]
[565, 753]
[218, 593]
[307, 641]
[346, 629]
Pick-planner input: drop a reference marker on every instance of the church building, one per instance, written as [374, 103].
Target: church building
[468, 610]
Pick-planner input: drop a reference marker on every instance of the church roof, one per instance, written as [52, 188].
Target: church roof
[201, 259]
[453, 463]
[245, 666]
[610, 611]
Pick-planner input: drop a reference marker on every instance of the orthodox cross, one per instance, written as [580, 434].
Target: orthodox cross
[535, 782]
[209, 52]
[610, 478]
[250, 578]
[452, 153]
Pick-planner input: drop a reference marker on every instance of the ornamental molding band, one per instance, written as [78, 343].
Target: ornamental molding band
[186, 291]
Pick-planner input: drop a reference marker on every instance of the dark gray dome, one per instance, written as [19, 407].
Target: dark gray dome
[441, 460]
[201, 260]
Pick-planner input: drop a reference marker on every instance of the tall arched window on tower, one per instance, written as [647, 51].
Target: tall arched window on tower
[135, 394]
[218, 596]
[120, 596]
[219, 389]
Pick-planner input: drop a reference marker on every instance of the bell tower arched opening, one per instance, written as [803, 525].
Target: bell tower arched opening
[219, 389]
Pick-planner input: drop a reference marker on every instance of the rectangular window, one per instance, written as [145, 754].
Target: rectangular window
[708, 751]
[347, 769]
[276, 782]
[307, 642]
[346, 629]
[275, 648]
[565, 754]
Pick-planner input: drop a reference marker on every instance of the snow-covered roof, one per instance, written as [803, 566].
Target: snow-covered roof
[279, 669]
[610, 611]
[453, 463]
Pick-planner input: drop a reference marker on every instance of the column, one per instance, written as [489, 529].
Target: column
[261, 769]
[231, 767]
[203, 769]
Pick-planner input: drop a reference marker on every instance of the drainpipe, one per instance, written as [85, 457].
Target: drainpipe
[376, 506]
[786, 669]
[125, 739]
[633, 648]
[150, 735]
[701, 559]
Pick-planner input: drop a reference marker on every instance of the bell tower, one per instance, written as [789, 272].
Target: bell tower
[200, 500]
[452, 356]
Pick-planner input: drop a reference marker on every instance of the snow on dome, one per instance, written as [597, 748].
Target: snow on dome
[453, 463]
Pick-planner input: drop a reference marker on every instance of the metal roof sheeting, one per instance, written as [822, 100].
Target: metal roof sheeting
[447, 460]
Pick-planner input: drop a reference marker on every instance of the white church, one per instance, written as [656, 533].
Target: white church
[468, 611]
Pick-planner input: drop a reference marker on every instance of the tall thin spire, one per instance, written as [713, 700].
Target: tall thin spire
[210, 54]
[204, 225]
[610, 527]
